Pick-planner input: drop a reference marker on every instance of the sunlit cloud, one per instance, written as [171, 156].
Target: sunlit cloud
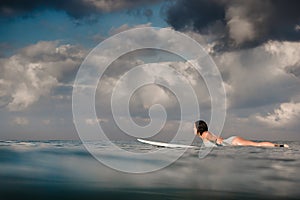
[22, 121]
[35, 70]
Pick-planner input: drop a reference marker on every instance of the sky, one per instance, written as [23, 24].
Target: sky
[255, 45]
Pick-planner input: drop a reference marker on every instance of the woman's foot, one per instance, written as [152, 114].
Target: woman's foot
[282, 145]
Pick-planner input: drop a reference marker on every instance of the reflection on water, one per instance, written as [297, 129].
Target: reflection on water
[65, 170]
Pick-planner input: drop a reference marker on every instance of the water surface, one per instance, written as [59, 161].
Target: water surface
[65, 170]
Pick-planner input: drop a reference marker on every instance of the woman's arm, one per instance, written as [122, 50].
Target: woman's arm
[211, 137]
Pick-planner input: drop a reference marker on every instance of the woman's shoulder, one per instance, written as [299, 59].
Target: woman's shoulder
[205, 134]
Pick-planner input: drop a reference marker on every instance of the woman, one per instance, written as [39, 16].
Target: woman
[201, 129]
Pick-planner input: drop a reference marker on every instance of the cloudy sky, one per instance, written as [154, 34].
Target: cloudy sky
[255, 45]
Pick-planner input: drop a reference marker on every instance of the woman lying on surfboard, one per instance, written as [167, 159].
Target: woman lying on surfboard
[201, 129]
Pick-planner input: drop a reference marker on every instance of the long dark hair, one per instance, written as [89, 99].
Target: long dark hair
[201, 126]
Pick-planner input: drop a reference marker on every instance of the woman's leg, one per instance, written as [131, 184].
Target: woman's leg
[242, 142]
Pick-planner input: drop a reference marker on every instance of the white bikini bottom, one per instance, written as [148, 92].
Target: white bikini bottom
[226, 142]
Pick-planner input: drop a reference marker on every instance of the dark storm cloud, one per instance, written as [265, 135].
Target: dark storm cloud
[74, 8]
[196, 13]
[239, 23]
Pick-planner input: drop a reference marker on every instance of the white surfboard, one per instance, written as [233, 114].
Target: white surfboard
[169, 145]
[206, 144]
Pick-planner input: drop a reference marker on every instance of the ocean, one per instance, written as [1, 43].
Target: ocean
[66, 170]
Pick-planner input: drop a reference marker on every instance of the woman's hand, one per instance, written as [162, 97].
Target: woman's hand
[219, 140]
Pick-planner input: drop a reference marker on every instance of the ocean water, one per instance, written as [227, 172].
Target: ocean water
[66, 170]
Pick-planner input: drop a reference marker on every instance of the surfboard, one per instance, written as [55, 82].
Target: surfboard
[169, 145]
